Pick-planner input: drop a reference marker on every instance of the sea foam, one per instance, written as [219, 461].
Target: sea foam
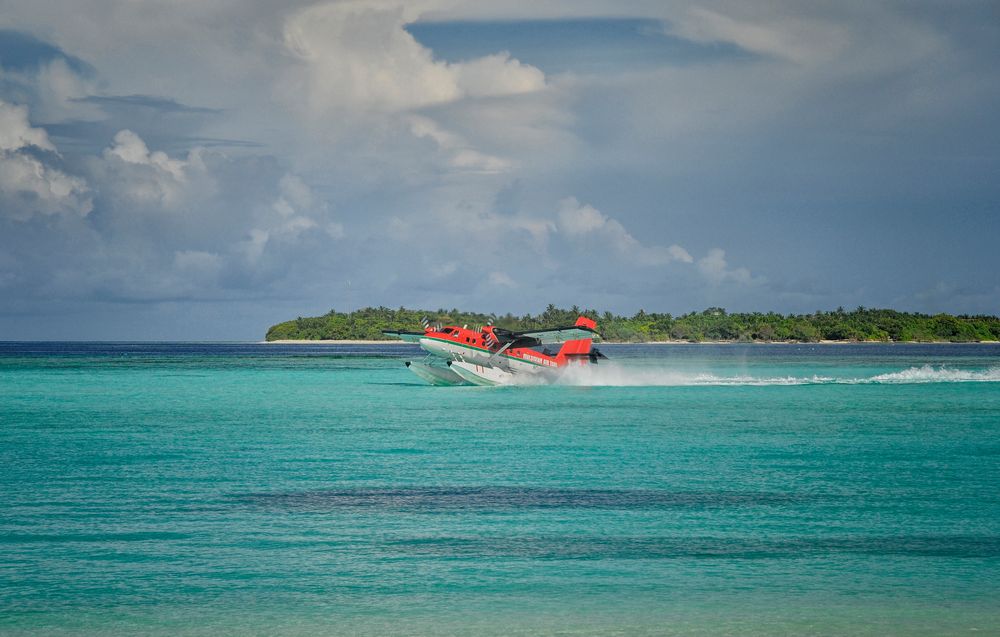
[612, 375]
[930, 374]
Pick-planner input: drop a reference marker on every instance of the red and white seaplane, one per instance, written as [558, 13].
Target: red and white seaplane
[491, 355]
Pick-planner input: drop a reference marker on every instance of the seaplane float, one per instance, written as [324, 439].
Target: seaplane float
[490, 355]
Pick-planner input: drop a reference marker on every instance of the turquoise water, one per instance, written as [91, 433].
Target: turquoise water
[715, 490]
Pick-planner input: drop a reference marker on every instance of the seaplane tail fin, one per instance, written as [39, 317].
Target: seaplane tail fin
[578, 349]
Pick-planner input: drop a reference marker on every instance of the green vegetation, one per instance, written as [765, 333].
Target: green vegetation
[713, 324]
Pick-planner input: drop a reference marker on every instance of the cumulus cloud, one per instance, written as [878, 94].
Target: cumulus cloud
[140, 178]
[716, 269]
[200, 226]
[461, 155]
[583, 220]
[497, 74]
[295, 211]
[359, 56]
[355, 78]
[131, 149]
[577, 219]
[29, 185]
[15, 131]
[571, 251]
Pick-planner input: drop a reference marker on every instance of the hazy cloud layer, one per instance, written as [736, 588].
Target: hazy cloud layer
[204, 169]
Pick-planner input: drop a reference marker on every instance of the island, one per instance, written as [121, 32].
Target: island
[714, 324]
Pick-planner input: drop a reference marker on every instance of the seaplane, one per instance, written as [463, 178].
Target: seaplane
[491, 355]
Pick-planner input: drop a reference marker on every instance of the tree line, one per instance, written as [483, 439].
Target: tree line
[712, 324]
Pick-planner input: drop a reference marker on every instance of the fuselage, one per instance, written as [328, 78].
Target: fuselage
[482, 348]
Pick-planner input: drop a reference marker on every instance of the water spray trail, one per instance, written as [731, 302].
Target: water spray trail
[623, 376]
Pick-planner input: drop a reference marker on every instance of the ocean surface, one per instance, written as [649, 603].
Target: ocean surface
[248, 489]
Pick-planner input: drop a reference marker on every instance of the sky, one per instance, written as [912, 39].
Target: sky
[202, 170]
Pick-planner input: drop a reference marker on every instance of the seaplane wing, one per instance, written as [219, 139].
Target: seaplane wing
[409, 337]
[561, 334]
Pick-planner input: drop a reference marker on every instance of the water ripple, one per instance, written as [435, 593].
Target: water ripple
[951, 546]
[507, 498]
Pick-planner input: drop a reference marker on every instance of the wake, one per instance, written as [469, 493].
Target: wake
[610, 375]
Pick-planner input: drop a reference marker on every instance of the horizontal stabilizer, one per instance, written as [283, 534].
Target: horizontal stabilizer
[562, 334]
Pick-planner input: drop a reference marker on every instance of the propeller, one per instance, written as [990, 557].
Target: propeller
[426, 322]
[596, 354]
[489, 337]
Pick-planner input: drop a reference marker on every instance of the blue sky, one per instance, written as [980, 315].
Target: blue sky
[571, 45]
[202, 170]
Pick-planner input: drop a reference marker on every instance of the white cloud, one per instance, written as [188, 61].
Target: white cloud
[294, 212]
[461, 155]
[137, 177]
[15, 131]
[130, 148]
[573, 251]
[579, 220]
[358, 56]
[497, 74]
[532, 131]
[716, 269]
[28, 185]
[284, 232]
